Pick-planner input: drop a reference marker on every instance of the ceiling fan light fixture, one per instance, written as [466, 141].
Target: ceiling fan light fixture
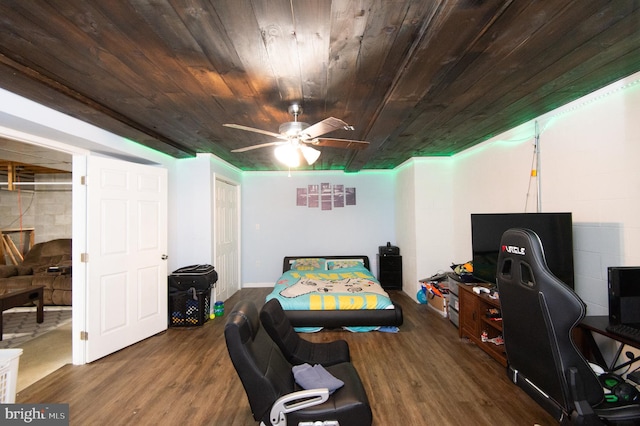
[288, 155]
[310, 154]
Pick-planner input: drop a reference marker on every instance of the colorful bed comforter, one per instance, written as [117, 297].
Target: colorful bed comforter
[352, 287]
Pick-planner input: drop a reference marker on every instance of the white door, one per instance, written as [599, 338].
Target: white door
[227, 239]
[126, 288]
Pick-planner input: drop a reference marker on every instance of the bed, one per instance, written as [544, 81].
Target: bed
[333, 291]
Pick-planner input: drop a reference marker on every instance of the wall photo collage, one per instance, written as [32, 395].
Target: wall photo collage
[325, 196]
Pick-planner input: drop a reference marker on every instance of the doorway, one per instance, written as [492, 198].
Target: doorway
[39, 198]
[227, 237]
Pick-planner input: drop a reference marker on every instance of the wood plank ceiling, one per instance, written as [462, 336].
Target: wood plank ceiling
[415, 78]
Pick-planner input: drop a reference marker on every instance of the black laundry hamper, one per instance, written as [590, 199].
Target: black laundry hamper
[190, 295]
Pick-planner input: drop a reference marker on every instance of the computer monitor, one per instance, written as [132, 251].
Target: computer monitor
[624, 295]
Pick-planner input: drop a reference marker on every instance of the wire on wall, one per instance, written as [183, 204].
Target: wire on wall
[535, 171]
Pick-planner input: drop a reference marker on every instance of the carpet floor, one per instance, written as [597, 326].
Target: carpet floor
[20, 325]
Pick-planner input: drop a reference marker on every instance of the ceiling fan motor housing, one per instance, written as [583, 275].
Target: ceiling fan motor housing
[292, 128]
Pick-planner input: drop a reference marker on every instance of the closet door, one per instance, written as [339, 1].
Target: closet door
[227, 238]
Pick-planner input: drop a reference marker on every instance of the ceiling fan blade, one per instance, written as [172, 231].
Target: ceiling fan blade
[325, 126]
[340, 143]
[262, 145]
[252, 129]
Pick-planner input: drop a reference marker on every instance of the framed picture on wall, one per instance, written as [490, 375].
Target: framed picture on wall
[338, 195]
[313, 195]
[350, 196]
[301, 197]
[326, 196]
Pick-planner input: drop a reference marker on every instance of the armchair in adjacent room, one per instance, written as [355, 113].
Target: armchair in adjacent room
[269, 384]
[296, 349]
[539, 313]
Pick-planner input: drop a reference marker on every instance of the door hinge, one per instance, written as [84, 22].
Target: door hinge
[84, 335]
[83, 180]
[84, 257]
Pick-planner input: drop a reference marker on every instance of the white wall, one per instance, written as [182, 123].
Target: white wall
[406, 222]
[424, 194]
[274, 227]
[195, 214]
[589, 152]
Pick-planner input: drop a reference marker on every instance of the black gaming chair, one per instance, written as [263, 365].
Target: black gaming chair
[293, 347]
[539, 313]
[268, 381]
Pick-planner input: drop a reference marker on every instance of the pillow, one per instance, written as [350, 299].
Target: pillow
[315, 377]
[344, 263]
[308, 264]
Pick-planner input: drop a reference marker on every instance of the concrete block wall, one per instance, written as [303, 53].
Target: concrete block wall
[46, 208]
[53, 208]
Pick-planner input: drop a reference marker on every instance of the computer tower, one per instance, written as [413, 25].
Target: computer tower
[624, 294]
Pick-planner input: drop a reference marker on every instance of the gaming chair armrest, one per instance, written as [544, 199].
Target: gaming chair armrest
[583, 413]
[296, 401]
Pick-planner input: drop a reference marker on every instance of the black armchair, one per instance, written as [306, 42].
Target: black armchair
[539, 313]
[268, 380]
[295, 349]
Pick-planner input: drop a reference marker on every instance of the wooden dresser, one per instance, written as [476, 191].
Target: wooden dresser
[475, 312]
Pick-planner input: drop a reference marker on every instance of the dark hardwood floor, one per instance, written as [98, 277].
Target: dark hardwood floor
[422, 375]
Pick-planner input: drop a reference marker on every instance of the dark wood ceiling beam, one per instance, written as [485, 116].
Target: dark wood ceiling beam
[68, 92]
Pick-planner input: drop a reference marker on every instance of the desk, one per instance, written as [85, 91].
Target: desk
[598, 324]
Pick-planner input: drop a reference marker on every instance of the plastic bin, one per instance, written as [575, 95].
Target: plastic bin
[189, 308]
[9, 360]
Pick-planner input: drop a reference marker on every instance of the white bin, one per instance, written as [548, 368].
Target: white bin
[9, 359]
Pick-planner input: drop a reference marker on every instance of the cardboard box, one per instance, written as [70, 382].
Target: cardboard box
[437, 303]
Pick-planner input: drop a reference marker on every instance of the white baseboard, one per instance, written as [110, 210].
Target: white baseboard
[256, 285]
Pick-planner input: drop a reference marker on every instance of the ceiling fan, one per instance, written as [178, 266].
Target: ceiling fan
[296, 138]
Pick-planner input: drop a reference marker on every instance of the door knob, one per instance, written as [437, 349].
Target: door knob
[164, 257]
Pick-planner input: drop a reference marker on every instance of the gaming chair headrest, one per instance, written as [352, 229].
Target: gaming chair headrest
[522, 245]
[244, 316]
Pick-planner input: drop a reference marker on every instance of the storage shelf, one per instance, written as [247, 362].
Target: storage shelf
[474, 321]
[390, 272]
[494, 324]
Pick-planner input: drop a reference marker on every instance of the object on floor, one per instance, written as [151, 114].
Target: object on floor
[296, 349]
[269, 384]
[13, 297]
[9, 362]
[189, 308]
[333, 291]
[190, 295]
[539, 315]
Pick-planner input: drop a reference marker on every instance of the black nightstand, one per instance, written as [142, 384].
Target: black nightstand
[390, 272]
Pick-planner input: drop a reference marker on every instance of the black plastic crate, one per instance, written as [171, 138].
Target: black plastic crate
[189, 308]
